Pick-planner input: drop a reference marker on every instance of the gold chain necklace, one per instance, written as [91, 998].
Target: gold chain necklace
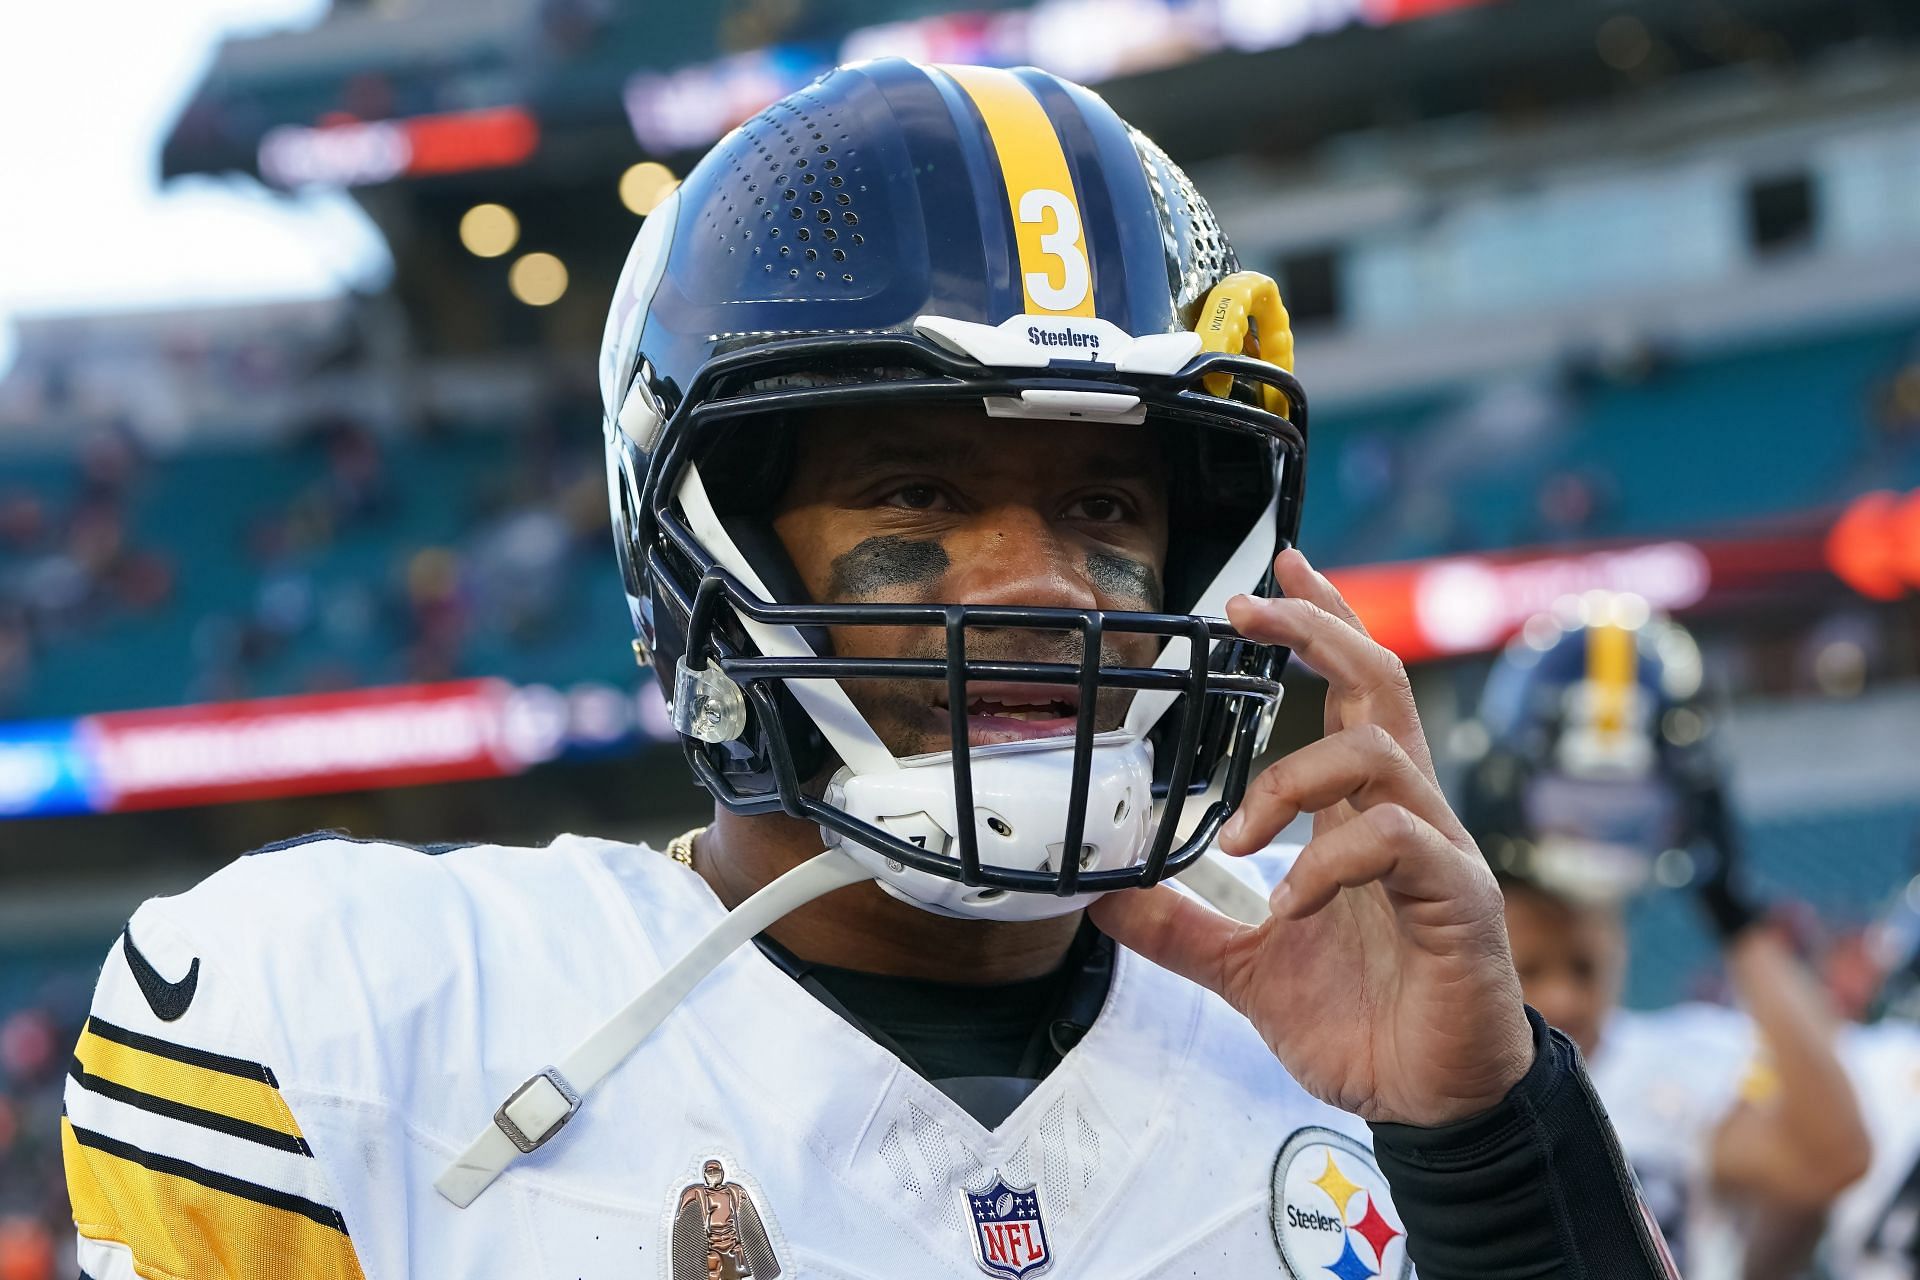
[680, 848]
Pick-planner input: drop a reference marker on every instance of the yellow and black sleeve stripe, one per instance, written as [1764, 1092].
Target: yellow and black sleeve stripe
[227, 1095]
[180, 1216]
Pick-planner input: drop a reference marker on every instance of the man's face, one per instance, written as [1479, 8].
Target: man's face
[1571, 960]
[964, 509]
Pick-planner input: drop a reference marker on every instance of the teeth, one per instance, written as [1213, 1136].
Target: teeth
[1018, 710]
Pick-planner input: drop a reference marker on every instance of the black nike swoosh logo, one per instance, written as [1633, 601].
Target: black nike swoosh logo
[168, 1000]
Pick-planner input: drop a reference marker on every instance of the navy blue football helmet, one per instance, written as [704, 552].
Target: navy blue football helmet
[914, 234]
[1596, 757]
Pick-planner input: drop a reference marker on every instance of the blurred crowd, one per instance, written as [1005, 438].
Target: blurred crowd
[67, 563]
[36, 1042]
[440, 554]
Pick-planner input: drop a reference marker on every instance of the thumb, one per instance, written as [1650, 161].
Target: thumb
[1174, 931]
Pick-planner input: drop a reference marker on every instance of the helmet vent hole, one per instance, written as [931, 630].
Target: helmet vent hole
[1120, 811]
[984, 896]
[788, 155]
[1000, 827]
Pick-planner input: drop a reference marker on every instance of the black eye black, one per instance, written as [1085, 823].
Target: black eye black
[917, 497]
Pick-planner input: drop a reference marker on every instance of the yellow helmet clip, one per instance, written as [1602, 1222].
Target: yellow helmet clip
[1244, 296]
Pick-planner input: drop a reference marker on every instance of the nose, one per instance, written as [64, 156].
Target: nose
[1012, 555]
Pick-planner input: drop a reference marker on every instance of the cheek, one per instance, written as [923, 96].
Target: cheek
[806, 535]
[886, 642]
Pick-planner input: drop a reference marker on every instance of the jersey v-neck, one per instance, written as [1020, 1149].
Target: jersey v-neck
[986, 1046]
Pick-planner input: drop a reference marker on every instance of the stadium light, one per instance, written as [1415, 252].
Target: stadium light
[1623, 42]
[537, 279]
[643, 186]
[489, 230]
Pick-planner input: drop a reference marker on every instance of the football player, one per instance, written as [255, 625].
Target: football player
[943, 429]
[1597, 772]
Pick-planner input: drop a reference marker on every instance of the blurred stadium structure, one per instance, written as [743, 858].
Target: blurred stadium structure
[1590, 293]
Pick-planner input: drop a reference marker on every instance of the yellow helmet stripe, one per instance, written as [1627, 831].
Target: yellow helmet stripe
[1054, 273]
[1611, 655]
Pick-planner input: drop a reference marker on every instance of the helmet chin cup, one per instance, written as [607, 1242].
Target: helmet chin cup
[1019, 817]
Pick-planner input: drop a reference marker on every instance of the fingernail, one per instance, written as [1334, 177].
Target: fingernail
[1235, 828]
[1281, 898]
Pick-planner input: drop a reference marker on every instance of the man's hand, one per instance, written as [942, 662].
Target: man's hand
[1382, 981]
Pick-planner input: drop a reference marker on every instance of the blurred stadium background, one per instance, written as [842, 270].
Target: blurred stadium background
[1591, 293]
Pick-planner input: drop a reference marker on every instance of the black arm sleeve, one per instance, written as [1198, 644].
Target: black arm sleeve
[1535, 1189]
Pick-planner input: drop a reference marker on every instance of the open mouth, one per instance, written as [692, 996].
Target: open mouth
[1012, 712]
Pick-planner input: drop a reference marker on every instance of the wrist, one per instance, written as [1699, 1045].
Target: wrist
[1503, 1074]
[1730, 913]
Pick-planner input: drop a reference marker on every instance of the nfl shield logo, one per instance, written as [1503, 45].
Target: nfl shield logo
[1009, 1235]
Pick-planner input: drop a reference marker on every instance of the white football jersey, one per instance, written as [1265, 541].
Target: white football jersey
[1874, 1230]
[281, 1061]
[1668, 1079]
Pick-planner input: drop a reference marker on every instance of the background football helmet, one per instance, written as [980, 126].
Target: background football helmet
[916, 234]
[1596, 759]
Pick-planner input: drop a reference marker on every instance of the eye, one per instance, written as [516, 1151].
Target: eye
[1098, 508]
[917, 497]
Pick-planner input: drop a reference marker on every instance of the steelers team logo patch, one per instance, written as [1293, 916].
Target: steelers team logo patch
[1331, 1213]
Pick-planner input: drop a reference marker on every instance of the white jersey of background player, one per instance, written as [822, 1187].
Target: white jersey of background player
[1874, 1230]
[1669, 1079]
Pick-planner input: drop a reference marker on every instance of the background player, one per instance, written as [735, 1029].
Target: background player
[1599, 766]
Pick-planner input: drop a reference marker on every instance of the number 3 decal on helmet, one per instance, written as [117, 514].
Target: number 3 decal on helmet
[1063, 243]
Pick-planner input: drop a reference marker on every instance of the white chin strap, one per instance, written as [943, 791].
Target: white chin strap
[537, 1109]
[549, 1098]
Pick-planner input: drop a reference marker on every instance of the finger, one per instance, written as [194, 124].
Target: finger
[1298, 578]
[1367, 681]
[1172, 930]
[1387, 845]
[1346, 658]
[1362, 765]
